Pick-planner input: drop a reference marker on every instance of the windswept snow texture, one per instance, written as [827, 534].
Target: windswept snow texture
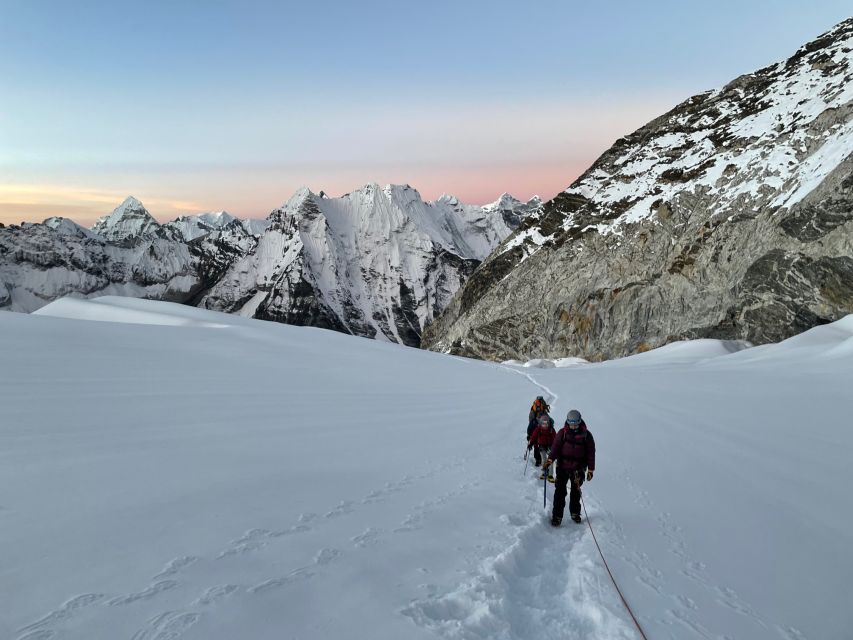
[170, 472]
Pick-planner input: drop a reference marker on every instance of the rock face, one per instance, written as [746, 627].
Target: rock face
[379, 262]
[729, 217]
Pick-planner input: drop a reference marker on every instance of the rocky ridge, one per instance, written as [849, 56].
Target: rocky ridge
[731, 216]
[379, 262]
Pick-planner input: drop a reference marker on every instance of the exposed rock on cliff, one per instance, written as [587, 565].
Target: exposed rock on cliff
[730, 217]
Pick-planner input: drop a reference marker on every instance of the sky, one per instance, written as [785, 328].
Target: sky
[200, 106]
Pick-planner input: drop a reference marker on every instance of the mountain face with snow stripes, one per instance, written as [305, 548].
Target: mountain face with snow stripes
[731, 217]
[379, 262]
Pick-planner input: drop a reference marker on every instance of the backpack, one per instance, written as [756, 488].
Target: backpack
[538, 407]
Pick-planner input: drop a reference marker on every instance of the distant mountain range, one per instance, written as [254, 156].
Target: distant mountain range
[730, 216]
[378, 262]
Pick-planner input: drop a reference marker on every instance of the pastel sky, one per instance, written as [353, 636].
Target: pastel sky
[207, 105]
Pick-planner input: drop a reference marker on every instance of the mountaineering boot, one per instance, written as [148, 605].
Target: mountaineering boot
[555, 521]
[576, 517]
[551, 478]
[542, 476]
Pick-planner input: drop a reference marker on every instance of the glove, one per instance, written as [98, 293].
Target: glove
[529, 446]
[548, 462]
[589, 475]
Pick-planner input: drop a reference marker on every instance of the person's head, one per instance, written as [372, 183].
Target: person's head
[544, 421]
[573, 419]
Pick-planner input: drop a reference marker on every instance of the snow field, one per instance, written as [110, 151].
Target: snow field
[164, 476]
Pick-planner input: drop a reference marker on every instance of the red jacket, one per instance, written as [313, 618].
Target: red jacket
[543, 436]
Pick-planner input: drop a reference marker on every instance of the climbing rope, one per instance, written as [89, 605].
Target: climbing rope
[610, 573]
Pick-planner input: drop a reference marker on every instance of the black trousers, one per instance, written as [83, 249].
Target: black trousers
[565, 477]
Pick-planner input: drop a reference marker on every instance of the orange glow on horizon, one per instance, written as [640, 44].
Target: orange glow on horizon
[84, 205]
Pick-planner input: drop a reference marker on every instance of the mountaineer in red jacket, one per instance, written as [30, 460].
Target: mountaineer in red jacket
[541, 438]
[573, 450]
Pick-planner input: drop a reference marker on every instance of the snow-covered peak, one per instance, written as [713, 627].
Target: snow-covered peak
[68, 227]
[378, 261]
[129, 203]
[127, 221]
[402, 192]
[195, 226]
[505, 201]
[300, 205]
[216, 218]
[373, 211]
[299, 196]
[294, 203]
[770, 136]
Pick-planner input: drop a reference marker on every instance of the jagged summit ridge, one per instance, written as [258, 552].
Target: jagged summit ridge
[191, 227]
[378, 262]
[727, 217]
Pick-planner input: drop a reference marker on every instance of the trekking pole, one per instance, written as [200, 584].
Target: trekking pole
[544, 490]
[526, 461]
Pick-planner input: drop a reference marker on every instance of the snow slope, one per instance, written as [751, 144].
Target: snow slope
[172, 472]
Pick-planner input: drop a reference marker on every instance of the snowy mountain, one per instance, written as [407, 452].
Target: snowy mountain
[69, 227]
[171, 472]
[195, 226]
[42, 262]
[729, 217]
[379, 262]
[129, 221]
